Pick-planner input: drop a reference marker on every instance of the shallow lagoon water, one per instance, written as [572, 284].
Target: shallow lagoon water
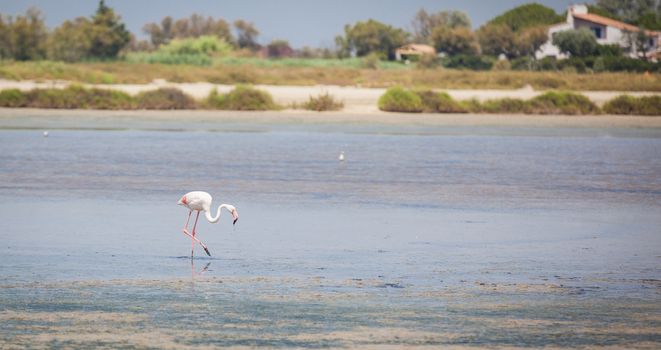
[510, 238]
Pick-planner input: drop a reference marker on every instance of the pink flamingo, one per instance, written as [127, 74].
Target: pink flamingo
[201, 201]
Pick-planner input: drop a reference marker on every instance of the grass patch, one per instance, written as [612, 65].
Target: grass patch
[12, 98]
[188, 51]
[503, 105]
[289, 62]
[165, 98]
[79, 98]
[323, 102]
[241, 98]
[439, 102]
[168, 58]
[555, 102]
[629, 105]
[561, 102]
[398, 99]
[348, 72]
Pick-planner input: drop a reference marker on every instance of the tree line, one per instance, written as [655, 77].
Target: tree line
[517, 33]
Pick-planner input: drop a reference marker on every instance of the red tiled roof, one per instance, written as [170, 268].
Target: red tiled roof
[610, 22]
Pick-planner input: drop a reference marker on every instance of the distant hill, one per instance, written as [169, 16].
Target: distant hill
[529, 15]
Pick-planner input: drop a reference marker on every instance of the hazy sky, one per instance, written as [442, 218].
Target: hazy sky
[302, 22]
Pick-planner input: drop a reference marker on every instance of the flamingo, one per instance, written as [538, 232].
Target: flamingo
[201, 201]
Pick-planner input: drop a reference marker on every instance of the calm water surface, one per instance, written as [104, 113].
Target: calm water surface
[459, 237]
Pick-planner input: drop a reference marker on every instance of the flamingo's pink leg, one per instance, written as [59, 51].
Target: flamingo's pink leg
[185, 231]
[192, 242]
[195, 238]
[188, 219]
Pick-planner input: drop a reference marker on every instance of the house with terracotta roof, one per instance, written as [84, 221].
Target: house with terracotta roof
[607, 31]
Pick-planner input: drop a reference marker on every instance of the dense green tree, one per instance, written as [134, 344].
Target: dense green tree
[279, 48]
[629, 10]
[455, 41]
[650, 21]
[23, 38]
[424, 23]
[108, 33]
[194, 26]
[496, 39]
[160, 34]
[246, 35]
[529, 15]
[529, 40]
[579, 43]
[5, 38]
[71, 41]
[372, 36]
[597, 10]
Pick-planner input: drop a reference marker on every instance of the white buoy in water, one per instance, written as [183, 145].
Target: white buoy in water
[341, 157]
[45, 133]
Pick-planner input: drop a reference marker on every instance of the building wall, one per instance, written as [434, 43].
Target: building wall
[615, 36]
[605, 31]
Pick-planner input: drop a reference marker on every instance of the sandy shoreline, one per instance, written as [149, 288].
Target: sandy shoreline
[26, 118]
[356, 99]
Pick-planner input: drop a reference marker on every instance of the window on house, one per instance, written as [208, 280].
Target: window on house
[597, 32]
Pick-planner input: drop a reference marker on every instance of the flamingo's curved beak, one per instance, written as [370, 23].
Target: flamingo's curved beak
[235, 216]
[182, 201]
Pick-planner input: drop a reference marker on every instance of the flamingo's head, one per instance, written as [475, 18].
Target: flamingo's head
[235, 214]
[182, 201]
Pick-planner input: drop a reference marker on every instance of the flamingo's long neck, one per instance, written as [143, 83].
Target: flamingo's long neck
[215, 219]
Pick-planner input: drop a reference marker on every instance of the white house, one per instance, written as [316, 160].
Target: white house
[608, 31]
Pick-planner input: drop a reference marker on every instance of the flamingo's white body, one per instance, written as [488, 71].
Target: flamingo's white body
[201, 201]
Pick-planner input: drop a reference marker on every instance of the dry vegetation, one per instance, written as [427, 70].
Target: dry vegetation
[398, 99]
[125, 72]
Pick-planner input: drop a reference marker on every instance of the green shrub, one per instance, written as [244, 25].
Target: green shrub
[371, 61]
[77, 97]
[439, 102]
[189, 51]
[504, 105]
[109, 99]
[12, 98]
[165, 98]
[167, 58]
[603, 63]
[203, 45]
[398, 99]
[548, 103]
[70, 97]
[502, 65]
[428, 61]
[649, 105]
[323, 102]
[628, 105]
[608, 50]
[242, 98]
[558, 102]
[469, 62]
[628, 64]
